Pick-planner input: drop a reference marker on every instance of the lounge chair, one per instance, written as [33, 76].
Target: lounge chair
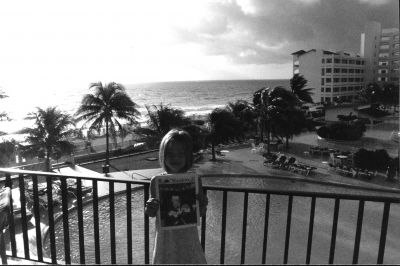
[288, 163]
[279, 162]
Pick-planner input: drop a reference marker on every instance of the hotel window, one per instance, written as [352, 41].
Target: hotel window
[385, 39]
[384, 47]
[322, 99]
[357, 70]
[351, 70]
[361, 79]
[344, 79]
[327, 89]
[361, 71]
[328, 99]
[323, 72]
[382, 71]
[351, 62]
[344, 70]
[328, 60]
[358, 62]
[336, 80]
[329, 70]
[383, 63]
[336, 70]
[322, 89]
[383, 55]
[343, 89]
[337, 61]
[357, 79]
[322, 81]
[350, 88]
[351, 79]
[335, 89]
[344, 61]
[362, 63]
[328, 80]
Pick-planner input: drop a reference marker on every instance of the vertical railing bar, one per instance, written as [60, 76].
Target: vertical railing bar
[288, 224]
[382, 241]
[11, 223]
[37, 217]
[64, 196]
[129, 220]
[203, 227]
[358, 231]
[96, 221]
[334, 231]
[223, 227]
[80, 221]
[50, 213]
[266, 222]
[244, 228]
[112, 222]
[24, 221]
[310, 230]
[146, 228]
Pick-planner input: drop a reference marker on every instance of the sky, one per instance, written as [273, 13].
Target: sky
[57, 45]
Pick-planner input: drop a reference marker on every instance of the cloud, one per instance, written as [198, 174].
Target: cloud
[264, 32]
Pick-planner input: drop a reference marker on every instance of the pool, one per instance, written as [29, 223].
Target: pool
[276, 234]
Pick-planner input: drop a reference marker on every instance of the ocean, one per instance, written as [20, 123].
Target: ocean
[193, 97]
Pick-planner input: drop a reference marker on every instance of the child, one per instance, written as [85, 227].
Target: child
[178, 246]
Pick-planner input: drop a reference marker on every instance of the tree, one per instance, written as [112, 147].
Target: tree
[224, 126]
[297, 85]
[161, 119]
[243, 111]
[371, 93]
[50, 133]
[286, 117]
[107, 106]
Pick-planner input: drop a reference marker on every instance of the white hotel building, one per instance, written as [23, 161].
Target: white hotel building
[332, 75]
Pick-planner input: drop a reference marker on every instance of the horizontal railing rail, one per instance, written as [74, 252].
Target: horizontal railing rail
[17, 179]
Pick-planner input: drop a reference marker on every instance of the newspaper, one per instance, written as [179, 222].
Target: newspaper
[179, 207]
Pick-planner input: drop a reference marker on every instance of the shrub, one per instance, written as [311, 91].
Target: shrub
[372, 160]
[342, 131]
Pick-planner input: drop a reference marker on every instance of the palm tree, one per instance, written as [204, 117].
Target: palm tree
[223, 127]
[161, 119]
[49, 134]
[3, 115]
[297, 85]
[108, 104]
[245, 112]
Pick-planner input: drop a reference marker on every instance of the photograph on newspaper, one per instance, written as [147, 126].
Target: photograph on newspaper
[179, 207]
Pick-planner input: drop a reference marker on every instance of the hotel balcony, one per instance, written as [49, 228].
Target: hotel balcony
[276, 224]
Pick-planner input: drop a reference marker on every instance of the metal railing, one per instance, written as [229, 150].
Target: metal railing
[16, 178]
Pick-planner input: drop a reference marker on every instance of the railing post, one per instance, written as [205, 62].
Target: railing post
[223, 227]
[146, 228]
[80, 221]
[358, 231]
[266, 221]
[96, 222]
[37, 217]
[203, 227]
[244, 227]
[50, 213]
[129, 221]
[288, 225]
[24, 221]
[310, 230]
[382, 241]
[64, 196]
[112, 223]
[11, 222]
[334, 231]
